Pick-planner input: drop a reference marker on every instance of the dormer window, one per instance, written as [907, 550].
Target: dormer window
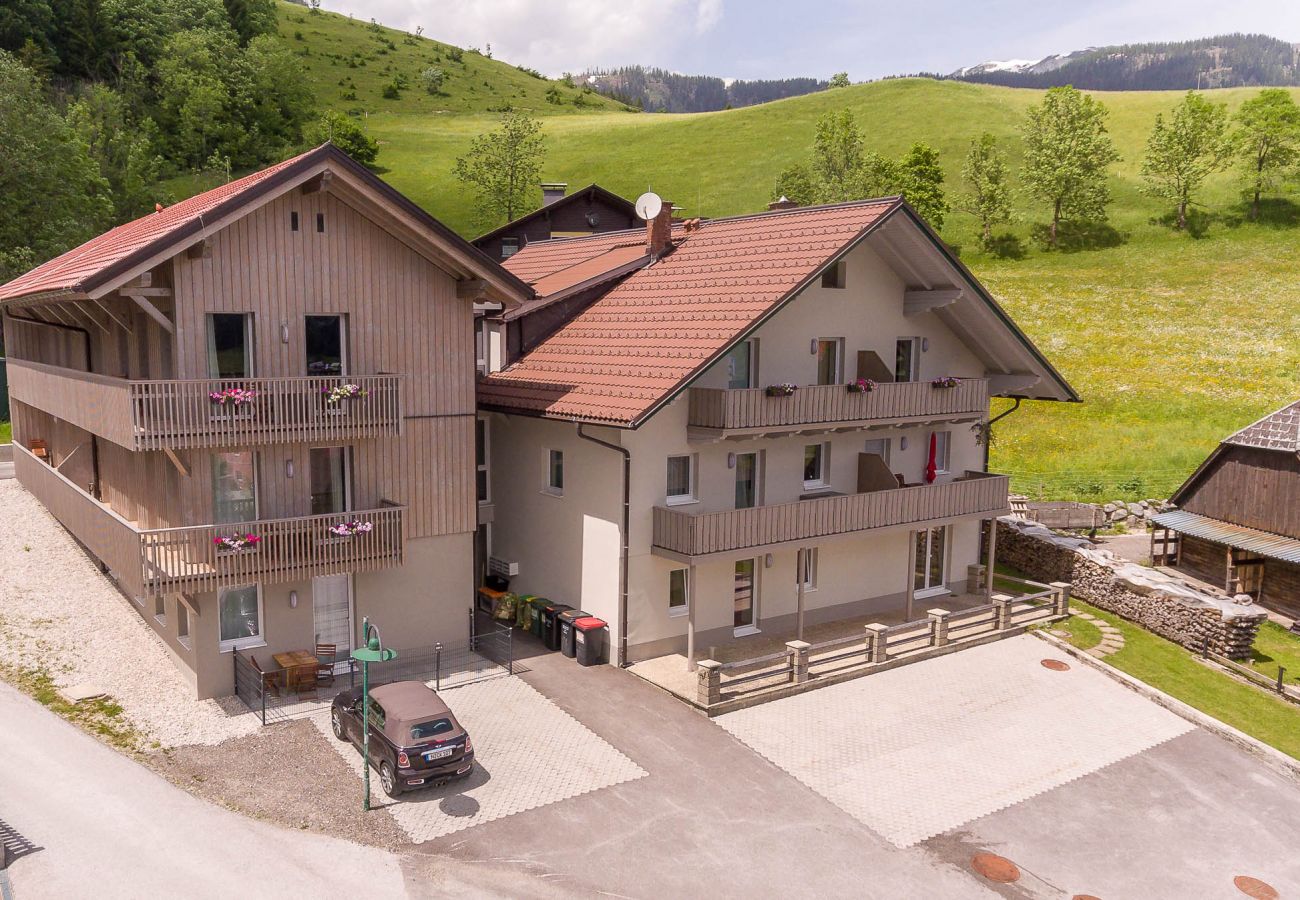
[509, 247]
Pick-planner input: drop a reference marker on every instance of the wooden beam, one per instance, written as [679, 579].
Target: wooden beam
[320, 183]
[78, 311]
[470, 288]
[147, 291]
[1002, 383]
[154, 312]
[915, 301]
[108, 312]
[177, 461]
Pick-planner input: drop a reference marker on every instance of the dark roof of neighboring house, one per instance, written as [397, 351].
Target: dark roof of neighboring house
[592, 189]
[103, 260]
[1278, 431]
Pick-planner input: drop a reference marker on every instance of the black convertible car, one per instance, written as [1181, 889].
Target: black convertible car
[415, 740]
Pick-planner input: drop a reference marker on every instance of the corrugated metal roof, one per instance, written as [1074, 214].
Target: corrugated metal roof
[1265, 543]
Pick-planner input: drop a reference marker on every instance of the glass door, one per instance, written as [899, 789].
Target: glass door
[741, 364]
[234, 487]
[745, 617]
[931, 562]
[230, 345]
[326, 343]
[828, 360]
[747, 473]
[331, 482]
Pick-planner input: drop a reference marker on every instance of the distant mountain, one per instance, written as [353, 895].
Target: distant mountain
[1230, 60]
[658, 90]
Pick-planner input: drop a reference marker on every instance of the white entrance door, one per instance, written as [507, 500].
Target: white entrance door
[931, 562]
[331, 600]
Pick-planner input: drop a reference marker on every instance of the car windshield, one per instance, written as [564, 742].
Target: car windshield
[422, 731]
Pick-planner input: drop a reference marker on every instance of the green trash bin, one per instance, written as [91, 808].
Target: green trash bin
[522, 612]
[535, 607]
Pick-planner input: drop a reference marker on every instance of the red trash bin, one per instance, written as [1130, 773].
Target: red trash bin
[590, 635]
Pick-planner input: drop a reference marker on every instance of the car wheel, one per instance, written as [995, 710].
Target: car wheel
[336, 721]
[388, 778]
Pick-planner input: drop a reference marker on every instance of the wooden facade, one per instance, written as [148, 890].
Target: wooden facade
[588, 211]
[1248, 486]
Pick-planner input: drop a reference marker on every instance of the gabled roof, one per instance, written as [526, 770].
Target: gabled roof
[568, 199]
[538, 259]
[1278, 431]
[633, 349]
[104, 262]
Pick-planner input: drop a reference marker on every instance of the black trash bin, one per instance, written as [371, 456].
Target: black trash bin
[551, 624]
[568, 645]
[589, 637]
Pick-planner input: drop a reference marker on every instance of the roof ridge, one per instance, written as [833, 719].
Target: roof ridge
[1264, 421]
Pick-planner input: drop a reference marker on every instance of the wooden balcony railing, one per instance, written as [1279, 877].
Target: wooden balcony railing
[156, 415]
[698, 534]
[188, 559]
[752, 409]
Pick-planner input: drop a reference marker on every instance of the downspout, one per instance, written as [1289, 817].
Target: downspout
[85, 334]
[988, 429]
[623, 551]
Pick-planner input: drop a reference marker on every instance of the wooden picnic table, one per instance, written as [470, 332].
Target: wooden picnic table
[294, 662]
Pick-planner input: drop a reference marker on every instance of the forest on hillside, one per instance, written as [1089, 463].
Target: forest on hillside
[658, 90]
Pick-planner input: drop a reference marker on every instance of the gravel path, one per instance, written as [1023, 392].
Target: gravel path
[58, 611]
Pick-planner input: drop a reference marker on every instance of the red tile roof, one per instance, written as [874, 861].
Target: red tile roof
[542, 258]
[632, 348]
[73, 270]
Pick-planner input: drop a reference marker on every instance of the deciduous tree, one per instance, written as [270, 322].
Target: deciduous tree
[1266, 141]
[837, 157]
[921, 182]
[502, 167]
[989, 197]
[346, 134]
[1183, 151]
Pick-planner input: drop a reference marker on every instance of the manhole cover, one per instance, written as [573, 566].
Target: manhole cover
[995, 868]
[1253, 887]
[1084, 897]
[1056, 665]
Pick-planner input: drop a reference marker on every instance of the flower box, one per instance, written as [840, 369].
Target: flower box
[339, 393]
[781, 390]
[234, 397]
[861, 386]
[233, 543]
[946, 381]
[351, 528]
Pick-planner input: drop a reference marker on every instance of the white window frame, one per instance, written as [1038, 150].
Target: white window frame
[548, 488]
[823, 482]
[837, 377]
[915, 373]
[810, 573]
[755, 593]
[887, 444]
[935, 590]
[943, 452]
[691, 495]
[486, 466]
[244, 643]
[685, 607]
[760, 477]
[752, 343]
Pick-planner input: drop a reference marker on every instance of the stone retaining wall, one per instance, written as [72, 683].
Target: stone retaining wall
[1154, 600]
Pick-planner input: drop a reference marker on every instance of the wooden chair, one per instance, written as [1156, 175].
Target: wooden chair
[326, 655]
[270, 680]
[39, 448]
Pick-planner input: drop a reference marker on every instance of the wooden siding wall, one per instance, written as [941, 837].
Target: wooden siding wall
[568, 215]
[1251, 487]
[403, 317]
[145, 351]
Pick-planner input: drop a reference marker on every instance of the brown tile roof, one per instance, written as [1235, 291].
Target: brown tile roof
[541, 258]
[73, 270]
[1276, 431]
[633, 347]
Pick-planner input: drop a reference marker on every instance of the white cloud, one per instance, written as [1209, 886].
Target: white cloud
[551, 35]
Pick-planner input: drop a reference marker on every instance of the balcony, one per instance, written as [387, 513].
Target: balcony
[720, 412]
[683, 535]
[189, 560]
[181, 415]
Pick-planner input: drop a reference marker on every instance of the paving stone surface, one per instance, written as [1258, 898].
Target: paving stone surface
[924, 748]
[528, 753]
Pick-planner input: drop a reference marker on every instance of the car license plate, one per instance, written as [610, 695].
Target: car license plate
[431, 755]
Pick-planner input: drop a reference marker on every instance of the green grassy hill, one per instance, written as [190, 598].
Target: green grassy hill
[1172, 340]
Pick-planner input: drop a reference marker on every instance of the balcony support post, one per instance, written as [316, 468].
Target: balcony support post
[690, 619]
[801, 577]
[911, 575]
[992, 559]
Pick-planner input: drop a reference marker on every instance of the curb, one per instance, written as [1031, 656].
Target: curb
[1271, 756]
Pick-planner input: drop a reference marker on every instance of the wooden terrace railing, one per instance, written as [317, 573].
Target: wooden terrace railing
[751, 409]
[180, 414]
[699, 534]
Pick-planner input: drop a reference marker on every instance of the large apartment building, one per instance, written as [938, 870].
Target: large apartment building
[706, 431]
[256, 409]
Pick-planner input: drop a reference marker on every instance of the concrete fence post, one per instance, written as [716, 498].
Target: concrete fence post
[876, 643]
[797, 652]
[1002, 605]
[1062, 589]
[938, 626]
[708, 673]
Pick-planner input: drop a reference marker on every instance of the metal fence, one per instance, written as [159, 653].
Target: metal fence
[488, 654]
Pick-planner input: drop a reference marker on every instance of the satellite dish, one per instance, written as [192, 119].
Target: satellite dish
[648, 205]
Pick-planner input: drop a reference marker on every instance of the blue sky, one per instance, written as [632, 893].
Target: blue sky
[766, 38]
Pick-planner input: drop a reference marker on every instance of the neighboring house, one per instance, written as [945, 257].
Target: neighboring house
[289, 356]
[1237, 525]
[591, 210]
[640, 470]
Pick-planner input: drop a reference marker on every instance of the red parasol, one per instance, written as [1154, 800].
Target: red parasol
[931, 468]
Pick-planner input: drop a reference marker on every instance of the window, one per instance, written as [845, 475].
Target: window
[234, 487]
[747, 480]
[423, 731]
[745, 597]
[681, 479]
[816, 466]
[828, 360]
[509, 247]
[230, 345]
[239, 616]
[377, 714]
[833, 277]
[942, 451]
[907, 359]
[555, 472]
[931, 562]
[326, 344]
[320, 222]
[742, 365]
[678, 592]
[331, 482]
[293, 221]
[808, 577]
[481, 460]
[881, 447]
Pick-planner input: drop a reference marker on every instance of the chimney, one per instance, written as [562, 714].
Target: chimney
[659, 231]
[784, 203]
[552, 191]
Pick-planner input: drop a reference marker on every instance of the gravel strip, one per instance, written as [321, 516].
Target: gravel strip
[58, 612]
